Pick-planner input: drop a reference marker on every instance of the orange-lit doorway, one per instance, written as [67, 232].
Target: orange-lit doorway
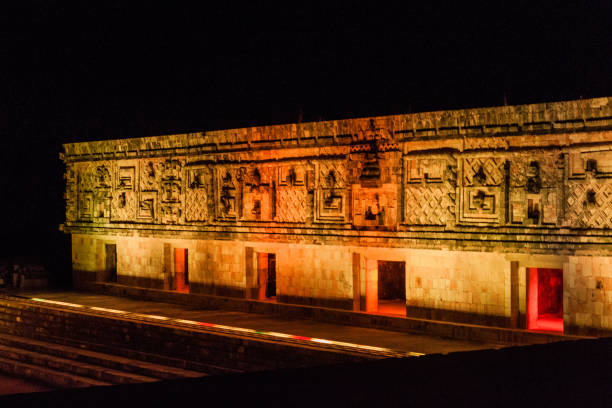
[266, 270]
[392, 287]
[545, 299]
[181, 269]
[385, 287]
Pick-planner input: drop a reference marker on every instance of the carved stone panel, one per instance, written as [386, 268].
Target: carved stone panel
[596, 163]
[199, 183]
[535, 179]
[258, 198]
[589, 204]
[428, 170]
[71, 193]
[483, 171]
[150, 174]
[428, 205]
[94, 184]
[124, 203]
[293, 203]
[147, 206]
[331, 194]
[171, 191]
[480, 205]
[430, 190]
[226, 193]
[375, 206]
[482, 196]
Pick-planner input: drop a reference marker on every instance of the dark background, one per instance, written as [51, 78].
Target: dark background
[78, 72]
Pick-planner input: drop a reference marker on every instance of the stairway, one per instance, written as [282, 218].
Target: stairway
[70, 346]
[66, 366]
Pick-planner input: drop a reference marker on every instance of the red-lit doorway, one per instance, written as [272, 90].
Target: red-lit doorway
[181, 269]
[545, 299]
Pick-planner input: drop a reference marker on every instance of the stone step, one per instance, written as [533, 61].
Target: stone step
[47, 375]
[81, 369]
[214, 350]
[105, 360]
[41, 333]
[167, 361]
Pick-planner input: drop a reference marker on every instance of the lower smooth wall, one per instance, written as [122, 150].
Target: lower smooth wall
[473, 287]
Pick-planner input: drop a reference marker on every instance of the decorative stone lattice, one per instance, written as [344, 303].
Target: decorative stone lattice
[428, 205]
[492, 167]
[292, 205]
[589, 205]
[196, 205]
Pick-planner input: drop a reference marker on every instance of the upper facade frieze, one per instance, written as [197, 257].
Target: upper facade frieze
[463, 129]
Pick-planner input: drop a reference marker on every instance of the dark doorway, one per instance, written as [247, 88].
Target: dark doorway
[271, 283]
[111, 262]
[266, 270]
[392, 287]
[181, 269]
[545, 299]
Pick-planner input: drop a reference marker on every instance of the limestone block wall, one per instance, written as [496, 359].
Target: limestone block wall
[453, 285]
[217, 267]
[140, 262]
[587, 295]
[315, 275]
[88, 259]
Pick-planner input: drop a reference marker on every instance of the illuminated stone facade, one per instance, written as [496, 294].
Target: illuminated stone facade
[469, 203]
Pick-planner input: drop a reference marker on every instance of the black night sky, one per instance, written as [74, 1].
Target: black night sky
[86, 72]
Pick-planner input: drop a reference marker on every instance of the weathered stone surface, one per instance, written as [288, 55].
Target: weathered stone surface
[510, 181]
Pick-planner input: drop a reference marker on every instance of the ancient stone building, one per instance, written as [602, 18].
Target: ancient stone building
[496, 216]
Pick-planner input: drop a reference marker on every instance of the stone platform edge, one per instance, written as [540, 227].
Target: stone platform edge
[457, 331]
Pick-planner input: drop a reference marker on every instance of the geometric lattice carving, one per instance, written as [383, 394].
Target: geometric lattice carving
[196, 205]
[332, 174]
[487, 171]
[292, 205]
[429, 204]
[589, 205]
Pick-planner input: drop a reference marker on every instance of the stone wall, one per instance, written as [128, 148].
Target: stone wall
[482, 185]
